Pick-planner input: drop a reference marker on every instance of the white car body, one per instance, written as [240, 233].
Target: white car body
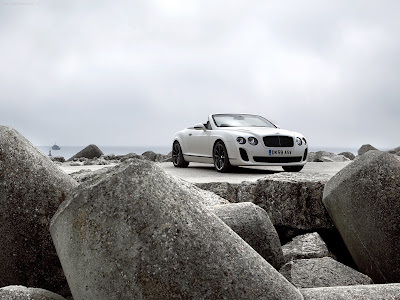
[197, 144]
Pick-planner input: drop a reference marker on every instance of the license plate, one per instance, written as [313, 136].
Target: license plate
[280, 152]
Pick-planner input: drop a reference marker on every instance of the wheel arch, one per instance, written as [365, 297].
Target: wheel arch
[226, 164]
[178, 137]
[219, 139]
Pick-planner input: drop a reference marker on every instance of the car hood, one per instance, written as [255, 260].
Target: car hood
[259, 131]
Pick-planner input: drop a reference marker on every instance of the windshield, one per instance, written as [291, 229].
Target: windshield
[234, 120]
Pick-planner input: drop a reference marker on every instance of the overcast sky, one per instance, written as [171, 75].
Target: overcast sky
[134, 72]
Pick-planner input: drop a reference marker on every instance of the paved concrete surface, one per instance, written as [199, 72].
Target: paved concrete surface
[201, 173]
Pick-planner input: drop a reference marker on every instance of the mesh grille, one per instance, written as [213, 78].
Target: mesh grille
[278, 141]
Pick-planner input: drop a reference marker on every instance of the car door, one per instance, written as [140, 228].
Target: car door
[198, 142]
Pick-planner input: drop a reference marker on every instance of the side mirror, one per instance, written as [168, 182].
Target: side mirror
[199, 126]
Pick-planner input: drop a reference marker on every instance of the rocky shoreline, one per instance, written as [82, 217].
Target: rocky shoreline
[133, 231]
[92, 155]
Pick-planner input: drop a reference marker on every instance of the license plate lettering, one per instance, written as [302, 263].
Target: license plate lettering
[280, 152]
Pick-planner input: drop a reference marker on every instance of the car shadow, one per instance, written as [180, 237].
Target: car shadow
[244, 170]
[238, 170]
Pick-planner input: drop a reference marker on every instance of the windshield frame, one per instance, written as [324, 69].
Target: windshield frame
[257, 116]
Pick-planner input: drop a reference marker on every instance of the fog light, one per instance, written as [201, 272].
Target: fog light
[298, 141]
[241, 140]
[252, 141]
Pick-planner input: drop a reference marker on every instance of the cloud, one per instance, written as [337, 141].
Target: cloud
[103, 71]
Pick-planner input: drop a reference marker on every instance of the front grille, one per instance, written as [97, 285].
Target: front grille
[277, 160]
[278, 141]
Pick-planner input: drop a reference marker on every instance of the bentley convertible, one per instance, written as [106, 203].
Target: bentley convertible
[227, 140]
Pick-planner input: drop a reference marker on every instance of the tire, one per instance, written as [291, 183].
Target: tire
[220, 156]
[177, 156]
[292, 168]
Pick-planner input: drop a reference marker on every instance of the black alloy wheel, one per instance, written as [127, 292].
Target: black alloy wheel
[292, 168]
[177, 156]
[221, 159]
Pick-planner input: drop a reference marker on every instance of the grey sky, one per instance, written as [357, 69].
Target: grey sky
[134, 72]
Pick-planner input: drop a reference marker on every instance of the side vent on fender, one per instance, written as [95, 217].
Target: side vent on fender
[243, 154]
[305, 154]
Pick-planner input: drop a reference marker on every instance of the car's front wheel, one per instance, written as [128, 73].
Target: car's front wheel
[292, 168]
[177, 156]
[221, 159]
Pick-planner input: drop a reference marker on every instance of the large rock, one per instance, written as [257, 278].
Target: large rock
[309, 245]
[292, 200]
[89, 152]
[60, 159]
[365, 148]
[123, 158]
[325, 156]
[394, 150]
[321, 272]
[359, 292]
[363, 201]
[31, 189]
[347, 154]
[156, 157]
[253, 225]
[150, 155]
[137, 233]
[18, 292]
[207, 198]
[86, 174]
[225, 190]
[163, 158]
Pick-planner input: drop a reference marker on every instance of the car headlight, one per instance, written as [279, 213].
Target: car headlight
[241, 140]
[305, 141]
[252, 140]
[298, 141]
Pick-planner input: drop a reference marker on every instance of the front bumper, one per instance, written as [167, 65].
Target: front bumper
[260, 155]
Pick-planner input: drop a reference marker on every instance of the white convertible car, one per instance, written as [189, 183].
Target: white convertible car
[239, 140]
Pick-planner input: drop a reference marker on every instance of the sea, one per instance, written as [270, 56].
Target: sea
[69, 151]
